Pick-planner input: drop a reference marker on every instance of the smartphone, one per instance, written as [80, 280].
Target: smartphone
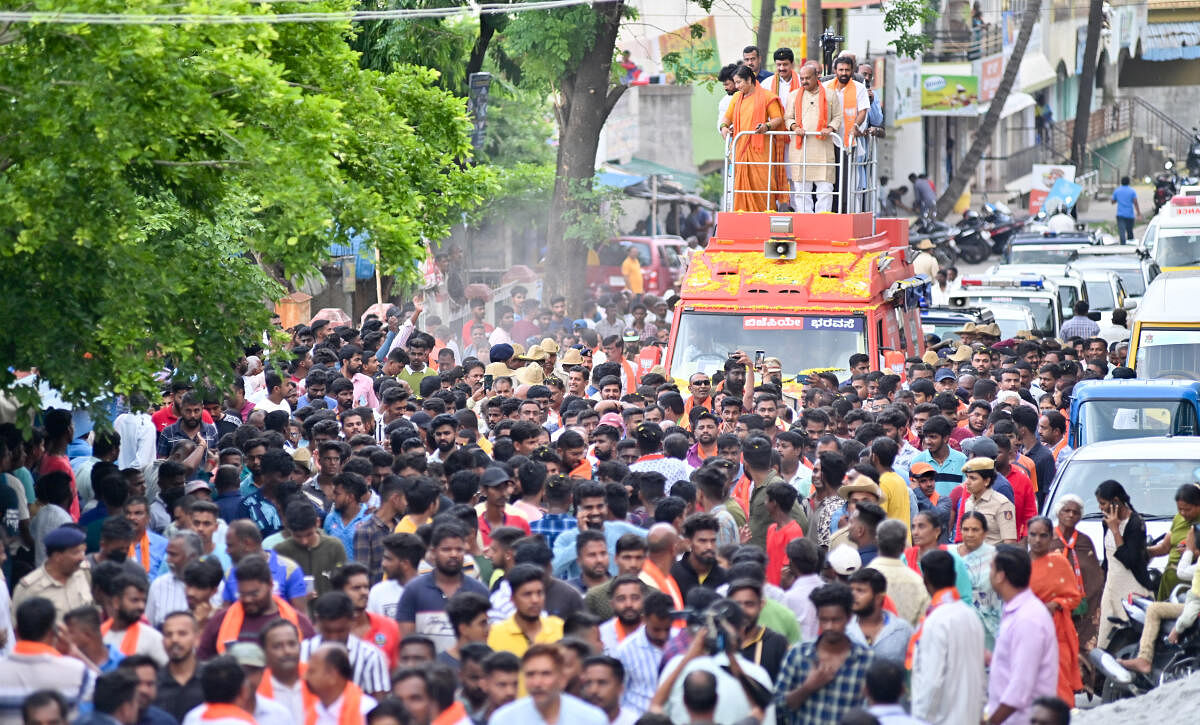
[760, 357]
[487, 382]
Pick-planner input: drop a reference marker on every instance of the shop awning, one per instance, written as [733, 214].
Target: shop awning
[1171, 41]
[1035, 73]
[1015, 103]
[689, 181]
[616, 179]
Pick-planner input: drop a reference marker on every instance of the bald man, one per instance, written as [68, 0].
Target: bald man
[330, 677]
[661, 542]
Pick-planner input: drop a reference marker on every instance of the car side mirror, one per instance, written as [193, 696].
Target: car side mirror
[1094, 316]
[1130, 304]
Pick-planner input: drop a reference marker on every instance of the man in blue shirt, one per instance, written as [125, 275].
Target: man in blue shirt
[1126, 200]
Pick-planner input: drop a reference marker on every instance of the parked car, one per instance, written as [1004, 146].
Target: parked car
[663, 260]
[943, 321]
[1132, 264]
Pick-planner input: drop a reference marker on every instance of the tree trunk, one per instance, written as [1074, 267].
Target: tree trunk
[983, 137]
[1087, 81]
[814, 25]
[585, 99]
[766, 11]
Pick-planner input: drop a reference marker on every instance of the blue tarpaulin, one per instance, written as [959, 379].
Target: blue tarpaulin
[1171, 41]
[363, 253]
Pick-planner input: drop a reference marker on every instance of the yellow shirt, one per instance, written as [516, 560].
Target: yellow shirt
[896, 505]
[631, 270]
[506, 636]
[406, 526]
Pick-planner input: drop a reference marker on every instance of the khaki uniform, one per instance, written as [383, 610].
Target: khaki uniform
[76, 592]
[926, 264]
[1000, 513]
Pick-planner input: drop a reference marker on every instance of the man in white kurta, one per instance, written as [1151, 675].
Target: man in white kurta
[812, 167]
[950, 648]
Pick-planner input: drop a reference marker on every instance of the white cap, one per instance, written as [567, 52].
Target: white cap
[845, 560]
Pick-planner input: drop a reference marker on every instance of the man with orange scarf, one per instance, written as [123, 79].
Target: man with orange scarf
[855, 102]
[126, 631]
[813, 109]
[330, 695]
[257, 605]
[39, 661]
[754, 110]
[227, 700]
[948, 646]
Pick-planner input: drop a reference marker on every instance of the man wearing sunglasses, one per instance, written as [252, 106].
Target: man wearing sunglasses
[700, 386]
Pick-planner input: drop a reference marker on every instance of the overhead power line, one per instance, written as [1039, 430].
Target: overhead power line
[312, 17]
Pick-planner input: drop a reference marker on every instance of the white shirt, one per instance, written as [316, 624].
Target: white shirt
[385, 598]
[138, 440]
[640, 657]
[950, 649]
[149, 642]
[370, 667]
[625, 717]
[266, 404]
[500, 336]
[722, 107]
[732, 704]
[269, 712]
[797, 600]
[48, 518]
[290, 698]
[168, 595]
[330, 715]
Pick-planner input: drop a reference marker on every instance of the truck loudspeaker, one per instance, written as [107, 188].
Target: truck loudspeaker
[779, 249]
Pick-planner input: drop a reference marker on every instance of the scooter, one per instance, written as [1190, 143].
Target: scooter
[1171, 661]
[1166, 184]
[999, 221]
[941, 234]
[973, 239]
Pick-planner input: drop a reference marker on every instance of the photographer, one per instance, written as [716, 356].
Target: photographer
[741, 687]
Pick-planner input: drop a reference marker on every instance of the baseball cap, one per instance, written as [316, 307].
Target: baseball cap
[194, 486]
[493, 476]
[944, 374]
[613, 419]
[845, 560]
[920, 468]
[579, 324]
[248, 654]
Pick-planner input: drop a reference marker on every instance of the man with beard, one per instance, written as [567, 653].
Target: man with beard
[705, 429]
[125, 630]
[422, 605]
[591, 553]
[351, 357]
[495, 483]
[243, 539]
[604, 440]
[527, 625]
[472, 679]
[145, 671]
[573, 450]
[256, 605]
[763, 646]
[334, 615]
[642, 651]
[262, 505]
[443, 431]
[542, 671]
[699, 566]
[282, 682]
[501, 679]
[625, 598]
[179, 682]
[821, 681]
[591, 512]
[190, 426]
[603, 679]
[167, 592]
[735, 378]
[148, 548]
[885, 633]
[354, 580]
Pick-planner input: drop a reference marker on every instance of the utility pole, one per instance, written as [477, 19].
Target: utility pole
[1087, 81]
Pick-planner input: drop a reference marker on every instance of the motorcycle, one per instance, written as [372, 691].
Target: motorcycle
[941, 234]
[973, 239]
[1171, 661]
[1166, 184]
[999, 221]
[1193, 157]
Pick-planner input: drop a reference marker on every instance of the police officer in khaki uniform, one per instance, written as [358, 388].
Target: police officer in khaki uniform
[1001, 515]
[925, 263]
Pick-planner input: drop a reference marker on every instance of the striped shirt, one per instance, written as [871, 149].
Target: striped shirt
[370, 666]
[641, 658]
[23, 674]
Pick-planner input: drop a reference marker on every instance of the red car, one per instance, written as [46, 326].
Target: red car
[663, 262]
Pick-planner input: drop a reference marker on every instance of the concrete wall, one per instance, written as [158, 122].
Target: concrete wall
[665, 125]
[1180, 102]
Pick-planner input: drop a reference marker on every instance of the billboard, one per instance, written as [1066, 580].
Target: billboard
[944, 94]
[902, 100]
[990, 71]
[698, 54]
[1045, 176]
[788, 28]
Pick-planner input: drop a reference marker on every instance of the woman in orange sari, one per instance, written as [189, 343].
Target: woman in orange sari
[1053, 581]
[757, 110]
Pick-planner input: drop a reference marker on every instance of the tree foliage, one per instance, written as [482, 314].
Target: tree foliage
[147, 173]
[907, 19]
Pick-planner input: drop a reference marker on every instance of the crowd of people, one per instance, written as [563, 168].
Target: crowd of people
[373, 528]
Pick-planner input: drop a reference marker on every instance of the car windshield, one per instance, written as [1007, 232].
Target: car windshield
[944, 330]
[1167, 353]
[1132, 280]
[705, 340]
[1151, 484]
[1042, 308]
[1105, 420]
[1178, 248]
[1130, 272]
[1100, 294]
[1011, 320]
[1035, 255]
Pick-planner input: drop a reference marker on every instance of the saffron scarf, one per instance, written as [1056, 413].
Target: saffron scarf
[225, 711]
[1069, 547]
[940, 597]
[822, 111]
[145, 545]
[235, 617]
[849, 107]
[351, 713]
[28, 647]
[761, 98]
[129, 641]
[793, 84]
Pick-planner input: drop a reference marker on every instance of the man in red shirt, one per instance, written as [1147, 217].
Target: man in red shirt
[496, 485]
[60, 431]
[170, 413]
[355, 581]
[1024, 498]
[781, 497]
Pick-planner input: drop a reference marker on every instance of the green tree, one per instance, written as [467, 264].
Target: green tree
[150, 174]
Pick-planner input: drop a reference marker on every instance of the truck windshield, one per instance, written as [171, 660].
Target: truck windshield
[1106, 420]
[1042, 308]
[1151, 484]
[1178, 248]
[1167, 353]
[705, 340]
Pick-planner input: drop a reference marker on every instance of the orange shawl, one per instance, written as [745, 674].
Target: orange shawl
[267, 690]
[235, 617]
[849, 107]
[145, 544]
[351, 713]
[1053, 580]
[762, 98]
[224, 711]
[129, 641]
[822, 111]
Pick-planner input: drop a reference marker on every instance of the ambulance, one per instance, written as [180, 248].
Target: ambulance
[1173, 236]
[1165, 339]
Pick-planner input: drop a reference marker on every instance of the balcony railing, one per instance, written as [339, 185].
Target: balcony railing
[955, 46]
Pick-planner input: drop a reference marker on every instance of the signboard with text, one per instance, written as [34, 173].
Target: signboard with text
[788, 28]
[948, 95]
[698, 54]
[990, 71]
[1045, 176]
[902, 100]
[773, 322]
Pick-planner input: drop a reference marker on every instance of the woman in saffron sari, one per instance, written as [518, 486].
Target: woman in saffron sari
[1053, 581]
[1080, 550]
[757, 110]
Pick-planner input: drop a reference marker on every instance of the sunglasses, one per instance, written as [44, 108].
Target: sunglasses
[701, 382]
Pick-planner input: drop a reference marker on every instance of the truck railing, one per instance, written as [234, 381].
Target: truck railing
[791, 178]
